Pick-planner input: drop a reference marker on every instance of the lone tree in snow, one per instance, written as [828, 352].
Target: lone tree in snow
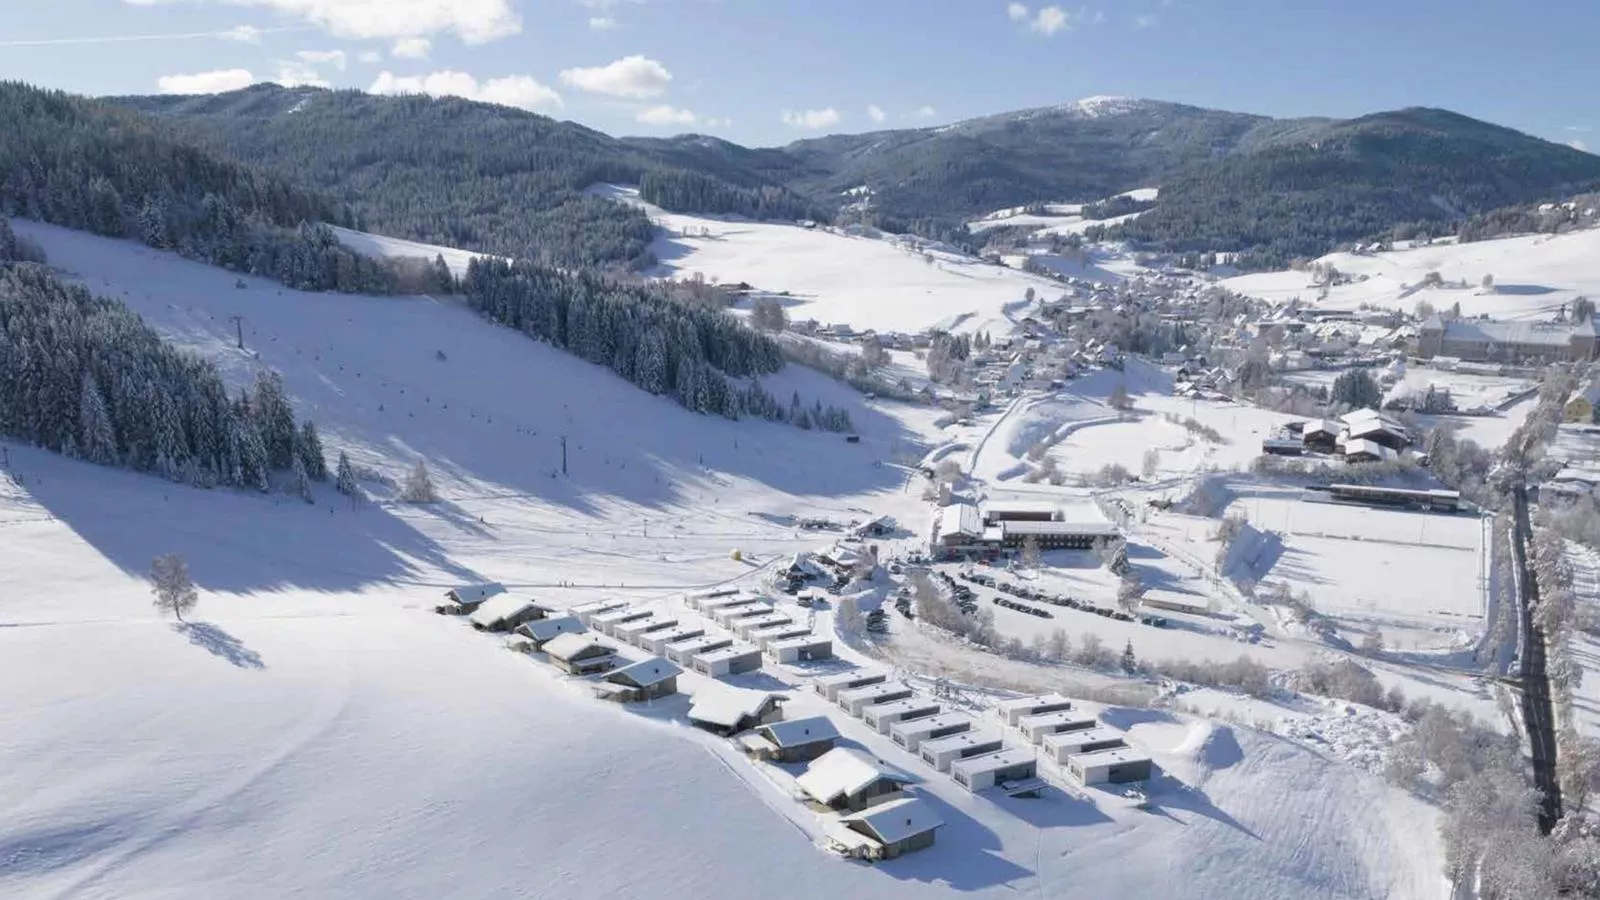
[345, 483]
[1030, 552]
[419, 486]
[169, 582]
[851, 621]
[1119, 399]
[1130, 663]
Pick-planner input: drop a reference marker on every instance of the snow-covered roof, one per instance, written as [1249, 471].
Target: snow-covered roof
[1032, 702]
[733, 651]
[1114, 756]
[897, 820]
[801, 640]
[959, 519]
[930, 724]
[1027, 527]
[646, 672]
[801, 731]
[843, 771]
[500, 607]
[545, 629]
[989, 762]
[1362, 446]
[1024, 507]
[1059, 717]
[961, 741]
[473, 593]
[569, 646]
[727, 706]
[1545, 334]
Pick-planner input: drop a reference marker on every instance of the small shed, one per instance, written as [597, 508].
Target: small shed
[505, 612]
[722, 709]
[887, 830]
[1034, 728]
[847, 778]
[830, 686]
[647, 679]
[658, 642]
[946, 751]
[800, 648]
[856, 700]
[580, 654]
[800, 740]
[606, 623]
[541, 631]
[683, 652]
[1012, 711]
[1063, 745]
[587, 611]
[1117, 765]
[733, 659]
[975, 773]
[744, 626]
[883, 715]
[460, 601]
[911, 733]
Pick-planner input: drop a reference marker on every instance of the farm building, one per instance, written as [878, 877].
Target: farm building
[733, 659]
[640, 629]
[1321, 437]
[658, 642]
[684, 652]
[885, 831]
[723, 709]
[1056, 535]
[587, 611]
[541, 631]
[1020, 511]
[830, 686]
[856, 700]
[846, 778]
[801, 740]
[1117, 765]
[1377, 428]
[883, 715]
[1012, 711]
[580, 654]
[766, 637]
[743, 627]
[1035, 728]
[1173, 601]
[606, 623]
[463, 600]
[910, 733]
[648, 679]
[505, 612]
[1283, 447]
[1361, 450]
[975, 773]
[1065, 744]
[801, 648]
[943, 752]
[958, 525]
[729, 617]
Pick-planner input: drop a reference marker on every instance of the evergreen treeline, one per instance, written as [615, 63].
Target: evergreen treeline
[665, 347]
[692, 192]
[84, 376]
[86, 165]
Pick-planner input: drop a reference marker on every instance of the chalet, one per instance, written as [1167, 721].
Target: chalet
[881, 716]
[1367, 425]
[856, 700]
[885, 831]
[800, 648]
[683, 652]
[1115, 765]
[976, 773]
[1283, 447]
[579, 654]
[1012, 711]
[648, 679]
[1365, 451]
[943, 752]
[830, 686]
[800, 740]
[462, 600]
[722, 709]
[734, 659]
[1321, 437]
[846, 778]
[542, 631]
[1035, 728]
[911, 733]
[505, 612]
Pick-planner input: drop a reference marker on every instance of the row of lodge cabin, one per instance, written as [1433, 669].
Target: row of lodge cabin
[845, 778]
[741, 609]
[796, 741]
[799, 649]
[697, 601]
[1014, 770]
[942, 753]
[885, 831]
[830, 686]
[1115, 765]
[462, 600]
[580, 654]
[734, 659]
[532, 636]
[771, 634]
[586, 612]
[911, 733]
[744, 625]
[855, 700]
[1036, 728]
[1432, 499]
[660, 642]
[727, 710]
[882, 716]
[640, 629]
[647, 679]
[1012, 711]
[683, 652]
[606, 623]
[505, 612]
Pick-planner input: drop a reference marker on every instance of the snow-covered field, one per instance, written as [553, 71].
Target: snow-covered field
[1534, 276]
[377, 245]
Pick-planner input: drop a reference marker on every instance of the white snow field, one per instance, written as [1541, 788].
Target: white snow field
[317, 732]
[1534, 275]
[377, 245]
[882, 283]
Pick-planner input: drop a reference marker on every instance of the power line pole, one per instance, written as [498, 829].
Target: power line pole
[563, 456]
[238, 324]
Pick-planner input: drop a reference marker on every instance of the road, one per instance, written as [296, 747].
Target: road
[1538, 712]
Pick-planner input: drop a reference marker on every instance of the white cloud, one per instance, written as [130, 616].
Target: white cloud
[666, 115]
[875, 113]
[214, 82]
[1145, 21]
[1047, 21]
[369, 56]
[631, 76]
[474, 21]
[412, 48]
[519, 91]
[319, 57]
[602, 23]
[244, 34]
[296, 73]
[811, 119]
[926, 112]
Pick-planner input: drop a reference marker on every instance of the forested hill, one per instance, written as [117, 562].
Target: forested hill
[464, 174]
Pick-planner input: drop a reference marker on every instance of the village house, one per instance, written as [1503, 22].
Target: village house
[1013, 711]
[764, 638]
[726, 710]
[580, 654]
[1065, 744]
[660, 642]
[856, 700]
[683, 652]
[1115, 765]
[883, 715]
[587, 611]
[910, 733]
[734, 659]
[505, 612]
[885, 831]
[648, 679]
[944, 752]
[830, 686]
[845, 778]
[462, 600]
[800, 648]
[800, 740]
[606, 623]
[1006, 768]
[541, 631]
[1035, 728]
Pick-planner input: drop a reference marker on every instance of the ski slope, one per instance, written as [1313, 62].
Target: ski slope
[317, 732]
[1533, 276]
[382, 246]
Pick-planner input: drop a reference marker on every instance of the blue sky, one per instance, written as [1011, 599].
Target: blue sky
[765, 72]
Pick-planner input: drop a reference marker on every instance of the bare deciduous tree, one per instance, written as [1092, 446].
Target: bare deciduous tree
[170, 583]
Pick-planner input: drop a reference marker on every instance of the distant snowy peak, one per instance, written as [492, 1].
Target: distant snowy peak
[1102, 106]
